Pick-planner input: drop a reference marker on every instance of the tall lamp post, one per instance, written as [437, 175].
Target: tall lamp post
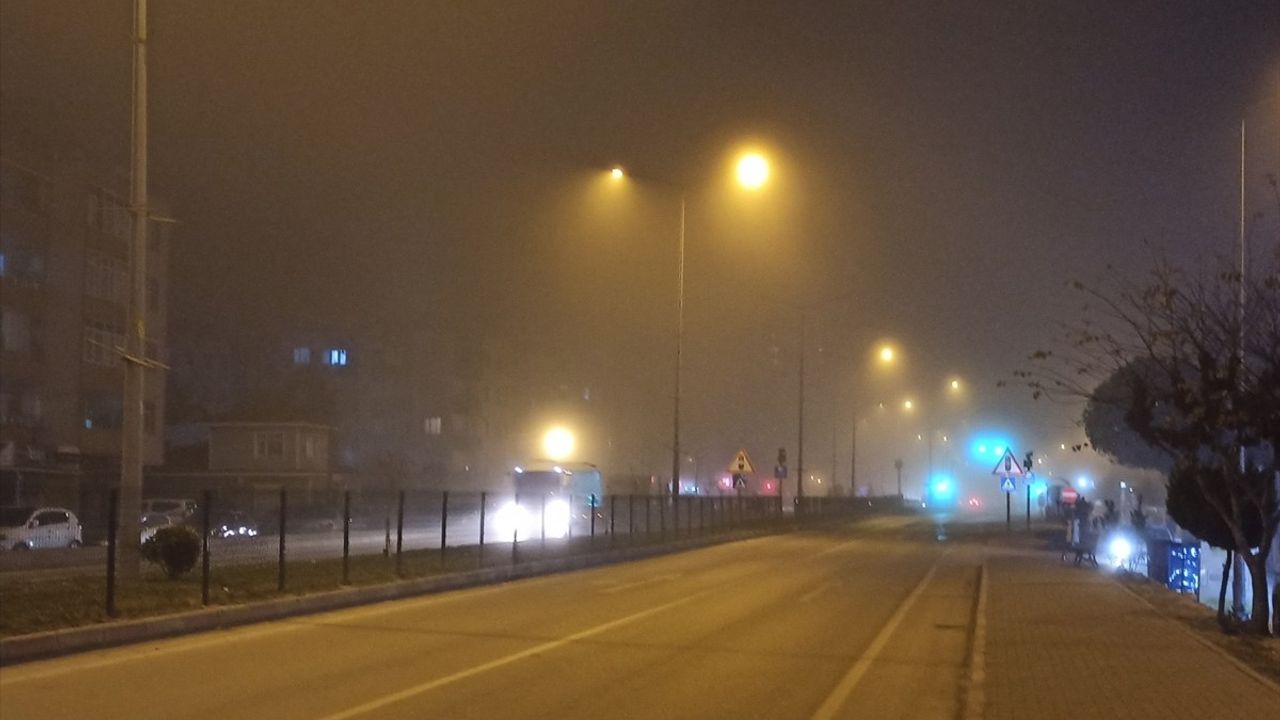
[752, 173]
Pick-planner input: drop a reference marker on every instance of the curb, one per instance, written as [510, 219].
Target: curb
[54, 643]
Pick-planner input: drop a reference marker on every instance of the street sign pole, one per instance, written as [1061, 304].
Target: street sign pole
[1008, 512]
[1028, 505]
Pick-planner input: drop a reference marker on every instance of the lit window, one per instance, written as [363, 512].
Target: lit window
[432, 425]
[336, 357]
[302, 356]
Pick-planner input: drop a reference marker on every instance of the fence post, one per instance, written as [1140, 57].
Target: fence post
[613, 507]
[648, 513]
[675, 512]
[702, 507]
[113, 522]
[515, 530]
[570, 532]
[346, 537]
[400, 535]
[284, 505]
[444, 525]
[662, 517]
[207, 501]
[386, 541]
[591, 502]
[484, 496]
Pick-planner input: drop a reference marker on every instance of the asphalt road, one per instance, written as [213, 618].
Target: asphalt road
[866, 622]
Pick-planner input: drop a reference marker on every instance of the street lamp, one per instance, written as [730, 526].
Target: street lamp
[558, 443]
[753, 172]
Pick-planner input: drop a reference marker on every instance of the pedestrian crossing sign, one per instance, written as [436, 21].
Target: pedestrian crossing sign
[1008, 484]
[742, 464]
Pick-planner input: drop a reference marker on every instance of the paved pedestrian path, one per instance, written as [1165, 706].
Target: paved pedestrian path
[1070, 642]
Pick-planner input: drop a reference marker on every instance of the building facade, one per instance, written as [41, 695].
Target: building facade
[64, 289]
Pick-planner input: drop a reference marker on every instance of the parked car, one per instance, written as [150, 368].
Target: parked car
[233, 524]
[152, 522]
[317, 520]
[180, 509]
[29, 528]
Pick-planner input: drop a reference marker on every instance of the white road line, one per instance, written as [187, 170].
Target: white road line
[837, 698]
[149, 649]
[814, 592]
[506, 660]
[975, 693]
[839, 547]
[627, 586]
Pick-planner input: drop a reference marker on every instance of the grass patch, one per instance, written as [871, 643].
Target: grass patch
[1260, 653]
[37, 603]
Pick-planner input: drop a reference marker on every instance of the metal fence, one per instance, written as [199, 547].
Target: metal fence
[295, 543]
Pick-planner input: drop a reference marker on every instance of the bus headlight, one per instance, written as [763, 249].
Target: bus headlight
[558, 519]
[512, 520]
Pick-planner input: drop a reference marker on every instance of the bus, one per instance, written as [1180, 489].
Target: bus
[559, 498]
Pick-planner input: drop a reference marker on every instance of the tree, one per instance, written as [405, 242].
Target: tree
[1195, 373]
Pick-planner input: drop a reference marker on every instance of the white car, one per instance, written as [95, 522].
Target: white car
[30, 528]
[180, 509]
[152, 522]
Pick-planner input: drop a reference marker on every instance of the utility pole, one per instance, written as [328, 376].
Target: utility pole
[675, 423]
[853, 458]
[133, 431]
[897, 464]
[800, 445]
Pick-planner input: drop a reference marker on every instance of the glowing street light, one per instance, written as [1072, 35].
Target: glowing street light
[887, 354]
[955, 384]
[753, 171]
[558, 443]
[908, 405]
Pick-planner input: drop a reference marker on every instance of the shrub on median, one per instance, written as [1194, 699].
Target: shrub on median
[175, 549]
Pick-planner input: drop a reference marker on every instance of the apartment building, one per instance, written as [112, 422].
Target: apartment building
[64, 287]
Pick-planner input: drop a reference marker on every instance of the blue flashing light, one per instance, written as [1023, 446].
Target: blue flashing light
[989, 446]
[942, 490]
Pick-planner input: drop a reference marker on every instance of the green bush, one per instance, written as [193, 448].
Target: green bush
[175, 549]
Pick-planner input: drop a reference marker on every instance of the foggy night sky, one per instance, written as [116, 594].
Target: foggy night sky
[947, 166]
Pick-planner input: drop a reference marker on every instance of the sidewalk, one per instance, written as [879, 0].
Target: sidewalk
[1068, 642]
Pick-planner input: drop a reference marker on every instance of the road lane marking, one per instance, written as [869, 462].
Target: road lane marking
[839, 547]
[837, 698]
[159, 647]
[507, 659]
[815, 592]
[975, 692]
[638, 583]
